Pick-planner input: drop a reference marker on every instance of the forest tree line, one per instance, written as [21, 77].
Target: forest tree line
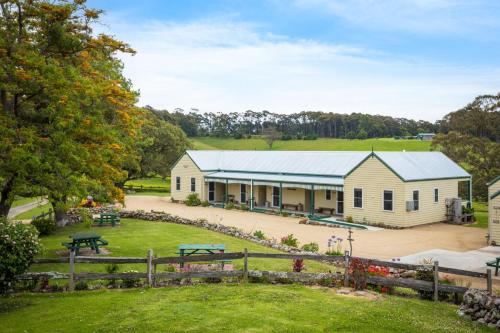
[313, 124]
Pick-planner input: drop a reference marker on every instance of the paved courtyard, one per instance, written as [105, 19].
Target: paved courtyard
[447, 243]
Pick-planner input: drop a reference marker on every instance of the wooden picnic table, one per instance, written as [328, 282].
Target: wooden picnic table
[107, 217]
[84, 239]
[190, 249]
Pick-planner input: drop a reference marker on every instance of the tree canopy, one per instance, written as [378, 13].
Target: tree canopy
[68, 119]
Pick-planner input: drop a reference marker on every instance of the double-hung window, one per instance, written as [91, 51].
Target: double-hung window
[328, 194]
[193, 184]
[177, 183]
[416, 200]
[388, 200]
[358, 198]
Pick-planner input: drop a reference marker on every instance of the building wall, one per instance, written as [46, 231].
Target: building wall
[494, 213]
[186, 168]
[430, 211]
[320, 200]
[374, 177]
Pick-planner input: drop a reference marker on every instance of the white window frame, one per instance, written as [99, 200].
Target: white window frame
[383, 199]
[178, 183]
[434, 195]
[326, 197]
[353, 197]
[191, 184]
[412, 191]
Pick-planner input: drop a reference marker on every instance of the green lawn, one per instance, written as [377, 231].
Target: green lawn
[34, 211]
[155, 181]
[383, 144]
[226, 308]
[481, 214]
[23, 201]
[134, 237]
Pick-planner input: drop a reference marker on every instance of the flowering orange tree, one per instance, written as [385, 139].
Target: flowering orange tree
[68, 118]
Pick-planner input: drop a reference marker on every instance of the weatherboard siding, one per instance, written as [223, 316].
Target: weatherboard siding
[374, 177]
[186, 169]
[430, 211]
[494, 213]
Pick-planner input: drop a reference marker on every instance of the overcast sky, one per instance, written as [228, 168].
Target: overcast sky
[417, 59]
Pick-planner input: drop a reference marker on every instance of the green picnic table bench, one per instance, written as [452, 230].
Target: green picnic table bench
[190, 249]
[85, 239]
[112, 218]
[494, 263]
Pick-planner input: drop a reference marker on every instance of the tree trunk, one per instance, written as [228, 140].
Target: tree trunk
[5, 202]
[60, 215]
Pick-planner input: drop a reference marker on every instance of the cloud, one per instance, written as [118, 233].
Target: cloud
[220, 66]
[418, 16]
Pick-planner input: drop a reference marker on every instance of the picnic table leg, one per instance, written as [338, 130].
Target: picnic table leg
[96, 247]
[496, 268]
[181, 265]
[222, 251]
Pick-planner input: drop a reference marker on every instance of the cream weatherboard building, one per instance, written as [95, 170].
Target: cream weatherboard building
[494, 211]
[393, 188]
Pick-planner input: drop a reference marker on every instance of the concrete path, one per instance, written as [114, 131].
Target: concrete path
[383, 244]
[469, 260]
[13, 212]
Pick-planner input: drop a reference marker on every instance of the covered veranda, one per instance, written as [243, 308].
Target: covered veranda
[293, 194]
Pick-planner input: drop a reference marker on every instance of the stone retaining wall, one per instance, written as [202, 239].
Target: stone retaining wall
[482, 307]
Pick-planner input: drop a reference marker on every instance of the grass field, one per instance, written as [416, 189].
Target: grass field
[383, 144]
[481, 215]
[155, 182]
[33, 212]
[133, 238]
[226, 308]
[24, 201]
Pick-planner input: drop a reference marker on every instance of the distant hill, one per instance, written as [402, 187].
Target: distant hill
[384, 144]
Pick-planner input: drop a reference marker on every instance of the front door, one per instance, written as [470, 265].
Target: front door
[340, 202]
[211, 191]
[276, 196]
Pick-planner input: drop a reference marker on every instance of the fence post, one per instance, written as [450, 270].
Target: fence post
[150, 267]
[489, 283]
[346, 271]
[436, 281]
[245, 264]
[71, 282]
[154, 272]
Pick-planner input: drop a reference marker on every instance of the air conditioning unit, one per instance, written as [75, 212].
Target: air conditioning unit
[410, 206]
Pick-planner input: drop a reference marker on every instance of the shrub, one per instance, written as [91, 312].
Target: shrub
[259, 234]
[284, 214]
[81, 285]
[205, 203]
[290, 240]
[112, 269]
[357, 272]
[311, 247]
[349, 219]
[132, 282]
[86, 218]
[229, 206]
[243, 206]
[298, 265]
[45, 226]
[19, 244]
[192, 200]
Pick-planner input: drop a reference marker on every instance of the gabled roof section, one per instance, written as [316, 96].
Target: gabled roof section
[493, 181]
[316, 163]
[494, 195]
[408, 166]
[414, 166]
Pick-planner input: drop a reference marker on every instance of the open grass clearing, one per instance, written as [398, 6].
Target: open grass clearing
[154, 181]
[481, 215]
[228, 308]
[381, 144]
[23, 201]
[133, 238]
[27, 215]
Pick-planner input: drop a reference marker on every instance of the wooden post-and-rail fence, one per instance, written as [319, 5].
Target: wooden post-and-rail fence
[151, 273]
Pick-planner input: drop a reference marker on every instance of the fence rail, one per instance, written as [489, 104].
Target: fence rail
[151, 275]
